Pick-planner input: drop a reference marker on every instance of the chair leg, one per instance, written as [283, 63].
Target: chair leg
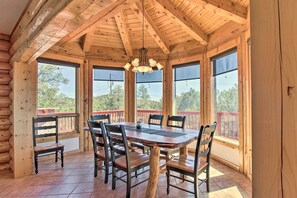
[113, 178]
[136, 174]
[106, 172]
[196, 187]
[36, 163]
[95, 167]
[168, 179]
[62, 158]
[207, 179]
[56, 158]
[128, 185]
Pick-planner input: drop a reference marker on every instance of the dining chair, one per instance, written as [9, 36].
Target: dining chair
[176, 121]
[101, 117]
[194, 166]
[129, 163]
[154, 119]
[179, 123]
[44, 127]
[100, 140]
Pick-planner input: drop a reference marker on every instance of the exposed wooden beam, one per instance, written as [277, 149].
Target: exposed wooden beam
[87, 41]
[110, 11]
[53, 21]
[189, 26]
[121, 24]
[225, 8]
[151, 27]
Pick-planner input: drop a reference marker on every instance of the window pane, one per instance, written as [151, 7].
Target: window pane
[109, 93]
[56, 89]
[57, 97]
[226, 96]
[149, 95]
[187, 94]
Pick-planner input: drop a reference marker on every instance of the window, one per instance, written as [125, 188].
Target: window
[225, 78]
[57, 96]
[149, 95]
[109, 93]
[187, 93]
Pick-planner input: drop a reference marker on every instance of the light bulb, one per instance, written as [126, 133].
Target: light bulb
[135, 62]
[127, 66]
[134, 69]
[159, 66]
[152, 62]
[150, 70]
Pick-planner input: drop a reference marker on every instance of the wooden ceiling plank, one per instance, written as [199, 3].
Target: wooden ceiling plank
[189, 26]
[151, 27]
[87, 41]
[110, 11]
[122, 27]
[225, 8]
[53, 21]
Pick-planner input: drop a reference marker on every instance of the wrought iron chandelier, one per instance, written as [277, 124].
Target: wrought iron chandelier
[142, 63]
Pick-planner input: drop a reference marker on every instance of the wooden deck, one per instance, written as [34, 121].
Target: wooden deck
[76, 180]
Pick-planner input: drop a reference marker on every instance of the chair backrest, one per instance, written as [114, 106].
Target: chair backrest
[45, 127]
[155, 119]
[176, 119]
[118, 142]
[102, 117]
[99, 138]
[204, 143]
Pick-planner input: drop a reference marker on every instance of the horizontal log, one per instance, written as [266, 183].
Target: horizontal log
[4, 147]
[5, 112]
[5, 126]
[4, 37]
[5, 66]
[4, 90]
[4, 135]
[4, 158]
[4, 167]
[4, 102]
[4, 45]
[4, 56]
[4, 79]
[5, 122]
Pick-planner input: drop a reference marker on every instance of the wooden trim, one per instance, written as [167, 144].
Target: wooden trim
[226, 142]
[87, 41]
[62, 58]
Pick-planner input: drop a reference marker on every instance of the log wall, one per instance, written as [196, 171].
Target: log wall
[5, 105]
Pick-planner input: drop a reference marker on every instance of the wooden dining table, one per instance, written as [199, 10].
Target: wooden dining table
[156, 137]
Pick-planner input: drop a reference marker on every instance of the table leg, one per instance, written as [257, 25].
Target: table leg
[183, 150]
[154, 172]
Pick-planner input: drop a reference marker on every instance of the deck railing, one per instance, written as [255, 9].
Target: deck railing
[228, 122]
[67, 122]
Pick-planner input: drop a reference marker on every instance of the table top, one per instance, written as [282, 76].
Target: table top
[153, 135]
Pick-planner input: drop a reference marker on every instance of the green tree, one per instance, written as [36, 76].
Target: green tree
[227, 100]
[188, 101]
[50, 78]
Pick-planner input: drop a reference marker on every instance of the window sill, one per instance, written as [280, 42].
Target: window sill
[227, 142]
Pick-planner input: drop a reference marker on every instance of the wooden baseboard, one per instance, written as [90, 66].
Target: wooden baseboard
[219, 159]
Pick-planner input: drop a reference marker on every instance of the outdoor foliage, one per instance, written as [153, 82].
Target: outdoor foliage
[50, 78]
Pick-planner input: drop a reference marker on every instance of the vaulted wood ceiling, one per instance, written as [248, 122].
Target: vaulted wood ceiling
[167, 24]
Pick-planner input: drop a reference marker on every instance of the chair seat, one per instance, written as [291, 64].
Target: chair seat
[48, 148]
[167, 151]
[136, 160]
[186, 163]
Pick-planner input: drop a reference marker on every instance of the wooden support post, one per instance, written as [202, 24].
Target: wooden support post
[24, 106]
[154, 172]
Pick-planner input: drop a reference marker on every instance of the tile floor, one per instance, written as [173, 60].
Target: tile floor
[76, 180]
